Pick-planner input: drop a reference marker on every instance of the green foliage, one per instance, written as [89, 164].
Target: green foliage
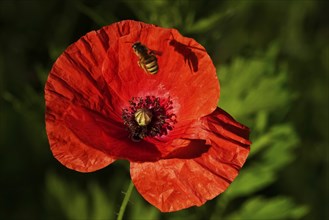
[250, 86]
[154, 13]
[140, 209]
[72, 201]
[259, 208]
[253, 91]
[279, 141]
[272, 62]
[76, 203]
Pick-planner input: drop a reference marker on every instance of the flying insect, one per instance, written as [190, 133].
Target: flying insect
[147, 59]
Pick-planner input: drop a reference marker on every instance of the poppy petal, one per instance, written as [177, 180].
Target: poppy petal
[107, 135]
[71, 151]
[186, 72]
[99, 73]
[175, 184]
[75, 79]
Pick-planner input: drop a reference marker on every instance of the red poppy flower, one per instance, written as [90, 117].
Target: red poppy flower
[104, 103]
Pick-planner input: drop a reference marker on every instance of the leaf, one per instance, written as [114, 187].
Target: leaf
[140, 209]
[89, 12]
[252, 85]
[72, 201]
[275, 149]
[275, 208]
[280, 153]
[205, 24]
[261, 121]
[101, 202]
[277, 137]
[250, 180]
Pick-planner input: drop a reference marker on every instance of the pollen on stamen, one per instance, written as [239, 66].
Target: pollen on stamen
[150, 116]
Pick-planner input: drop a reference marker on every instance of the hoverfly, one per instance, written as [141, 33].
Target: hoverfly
[147, 59]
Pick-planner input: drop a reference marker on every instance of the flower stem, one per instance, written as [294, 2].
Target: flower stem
[125, 201]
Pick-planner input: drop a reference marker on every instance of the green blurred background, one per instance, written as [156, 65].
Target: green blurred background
[272, 61]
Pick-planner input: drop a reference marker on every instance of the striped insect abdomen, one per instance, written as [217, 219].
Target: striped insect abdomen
[151, 64]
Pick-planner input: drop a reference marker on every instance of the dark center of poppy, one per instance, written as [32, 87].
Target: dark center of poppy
[150, 116]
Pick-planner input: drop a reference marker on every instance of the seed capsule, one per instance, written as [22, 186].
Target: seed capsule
[143, 116]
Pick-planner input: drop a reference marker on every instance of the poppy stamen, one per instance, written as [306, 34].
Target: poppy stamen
[149, 116]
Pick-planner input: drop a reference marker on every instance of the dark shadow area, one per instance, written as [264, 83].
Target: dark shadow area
[189, 56]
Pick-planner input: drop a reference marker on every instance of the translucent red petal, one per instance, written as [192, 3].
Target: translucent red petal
[94, 79]
[70, 150]
[98, 75]
[175, 184]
